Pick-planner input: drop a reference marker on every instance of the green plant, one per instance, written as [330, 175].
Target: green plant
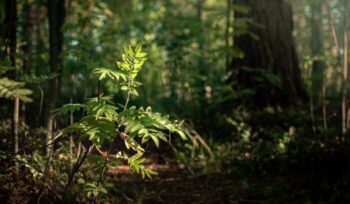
[105, 122]
[13, 89]
[33, 163]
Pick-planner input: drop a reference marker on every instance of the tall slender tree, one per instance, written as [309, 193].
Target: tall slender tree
[27, 47]
[56, 15]
[9, 52]
[345, 71]
[317, 50]
[318, 65]
[227, 33]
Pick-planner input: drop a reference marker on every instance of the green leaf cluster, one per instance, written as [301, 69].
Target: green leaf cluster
[126, 70]
[136, 164]
[103, 121]
[149, 125]
[11, 89]
[33, 163]
[99, 122]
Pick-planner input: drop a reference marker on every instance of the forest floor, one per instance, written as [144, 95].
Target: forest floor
[175, 185]
[319, 178]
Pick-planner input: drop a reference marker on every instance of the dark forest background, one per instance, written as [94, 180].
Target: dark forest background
[251, 96]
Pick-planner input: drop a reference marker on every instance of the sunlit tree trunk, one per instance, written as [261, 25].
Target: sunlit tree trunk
[273, 52]
[345, 64]
[56, 15]
[71, 100]
[345, 77]
[342, 62]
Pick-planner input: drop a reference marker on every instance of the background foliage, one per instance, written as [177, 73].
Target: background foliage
[179, 95]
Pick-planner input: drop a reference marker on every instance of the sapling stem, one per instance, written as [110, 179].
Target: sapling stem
[128, 95]
[80, 161]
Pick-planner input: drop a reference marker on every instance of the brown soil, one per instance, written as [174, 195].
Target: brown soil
[174, 185]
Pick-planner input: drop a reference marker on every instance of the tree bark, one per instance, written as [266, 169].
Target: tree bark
[9, 32]
[28, 37]
[9, 52]
[345, 74]
[317, 51]
[28, 34]
[273, 52]
[227, 33]
[318, 65]
[56, 15]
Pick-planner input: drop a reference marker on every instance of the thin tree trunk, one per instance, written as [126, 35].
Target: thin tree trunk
[333, 29]
[324, 106]
[317, 50]
[312, 116]
[201, 40]
[40, 19]
[335, 38]
[227, 33]
[318, 65]
[71, 141]
[10, 46]
[333, 32]
[28, 25]
[344, 82]
[27, 33]
[9, 23]
[56, 14]
[345, 73]
[200, 4]
[16, 125]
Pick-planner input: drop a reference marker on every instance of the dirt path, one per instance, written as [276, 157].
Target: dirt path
[174, 185]
[317, 178]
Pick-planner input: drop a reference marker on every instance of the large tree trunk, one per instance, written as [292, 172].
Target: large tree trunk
[273, 53]
[56, 14]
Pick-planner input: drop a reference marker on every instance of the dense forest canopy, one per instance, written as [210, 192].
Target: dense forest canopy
[189, 95]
